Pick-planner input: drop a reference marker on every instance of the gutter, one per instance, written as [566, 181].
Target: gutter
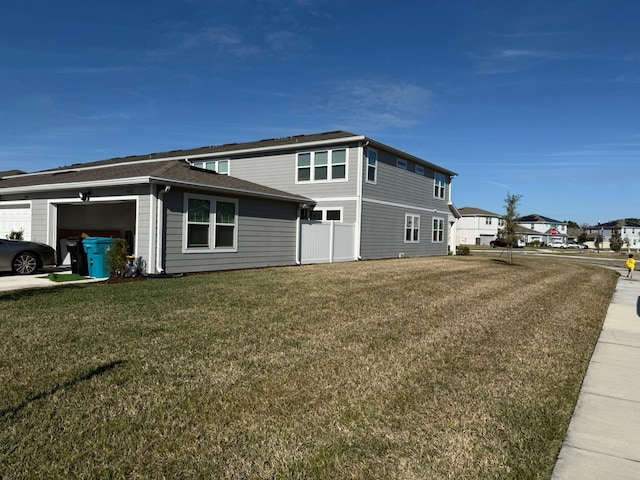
[160, 228]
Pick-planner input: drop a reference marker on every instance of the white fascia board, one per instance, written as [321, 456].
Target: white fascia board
[413, 158]
[225, 153]
[235, 191]
[284, 146]
[117, 182]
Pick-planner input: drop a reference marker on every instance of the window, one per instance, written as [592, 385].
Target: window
[419, 170]
[400, 163]
[501, 222]
[219, 166]
[438, 230]
[440, 181]
[211, 223]
[324, 165]
[326, 214]
[372, 165]
[487, 220]
[198, 220]
[411, 228]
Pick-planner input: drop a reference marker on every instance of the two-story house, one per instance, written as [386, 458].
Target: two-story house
[301, 199]
[628, 229]
[545, 229]
[477, 226]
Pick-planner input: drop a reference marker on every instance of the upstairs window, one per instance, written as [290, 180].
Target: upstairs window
[487, 220]
[400, 163]
[321, 166]
[218, 166]
[372, 165]
[439, 184]
[419, 169]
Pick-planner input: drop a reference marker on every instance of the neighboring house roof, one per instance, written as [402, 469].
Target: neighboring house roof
[9, 173]
[472, 211]
[535, 218]
[623, 222]
[175, 172]
[261, 146]
[526, 231]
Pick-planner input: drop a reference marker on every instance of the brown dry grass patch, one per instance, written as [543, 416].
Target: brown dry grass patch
[412, 368]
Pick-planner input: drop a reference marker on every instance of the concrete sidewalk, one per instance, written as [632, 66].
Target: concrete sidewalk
[603, 439]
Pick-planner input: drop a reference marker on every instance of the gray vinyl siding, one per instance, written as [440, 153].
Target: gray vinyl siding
[266, 237]
[402, 186]
[280, 170]
[399, 192]
[383, 233]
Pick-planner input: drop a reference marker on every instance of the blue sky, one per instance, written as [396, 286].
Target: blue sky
[536, 98]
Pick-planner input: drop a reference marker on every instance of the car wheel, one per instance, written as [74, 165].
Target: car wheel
[25, 264]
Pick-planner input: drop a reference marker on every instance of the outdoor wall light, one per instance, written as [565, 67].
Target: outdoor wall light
[84, 196]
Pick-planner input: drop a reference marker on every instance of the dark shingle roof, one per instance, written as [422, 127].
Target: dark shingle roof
[535, 218]
[176, 172]
[465, 211]
[271, 144]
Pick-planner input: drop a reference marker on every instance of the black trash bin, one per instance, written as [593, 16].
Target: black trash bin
[78, 256]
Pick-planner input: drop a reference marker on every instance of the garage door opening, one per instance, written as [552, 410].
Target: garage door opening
[96, 219]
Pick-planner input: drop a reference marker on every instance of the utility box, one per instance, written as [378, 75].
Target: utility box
[96, 248]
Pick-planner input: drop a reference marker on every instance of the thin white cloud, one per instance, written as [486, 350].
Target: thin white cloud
[381, 103]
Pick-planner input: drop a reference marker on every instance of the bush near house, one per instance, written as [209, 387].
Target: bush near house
[448, 367]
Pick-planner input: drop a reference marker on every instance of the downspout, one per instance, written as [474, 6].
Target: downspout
[160, 229]
[298, 234]
[362, 171]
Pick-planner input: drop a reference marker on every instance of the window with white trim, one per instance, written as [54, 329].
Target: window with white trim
[372, 165]
[210, 223]
[419, 169]
[321, 166]
[400, 163]
[411, 228]
[438, 230]
[326, 214]
[218, 166]
[439, 184]
[487, 220]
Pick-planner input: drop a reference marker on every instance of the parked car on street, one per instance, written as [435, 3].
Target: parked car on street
[576, 245]
[557, 243]
[501, 243]
[24, 258]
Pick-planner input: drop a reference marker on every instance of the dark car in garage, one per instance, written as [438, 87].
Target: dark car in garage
[24, 258]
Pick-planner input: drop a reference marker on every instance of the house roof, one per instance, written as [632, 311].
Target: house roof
[471, 211]
[623, 222]
[261, 146]
[8, 173]
[174, 172]
[535, 218]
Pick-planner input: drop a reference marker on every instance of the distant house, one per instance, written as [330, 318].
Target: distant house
[333, 196]
[477, 226]
[543, 229]
[628, 229]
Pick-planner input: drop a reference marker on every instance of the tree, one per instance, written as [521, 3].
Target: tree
[509, 231]
[572, 224]
[616, 241]
[583, 237]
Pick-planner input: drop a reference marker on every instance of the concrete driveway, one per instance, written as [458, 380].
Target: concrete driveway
[10, 282]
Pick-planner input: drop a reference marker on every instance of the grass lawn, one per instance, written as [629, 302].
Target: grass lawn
[458, 367]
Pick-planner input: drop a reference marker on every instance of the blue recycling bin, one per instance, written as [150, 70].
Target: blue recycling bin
[96, 247]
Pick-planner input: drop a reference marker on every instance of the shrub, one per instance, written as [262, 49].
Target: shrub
[16, 235]
[115, 257]
[462, 250]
